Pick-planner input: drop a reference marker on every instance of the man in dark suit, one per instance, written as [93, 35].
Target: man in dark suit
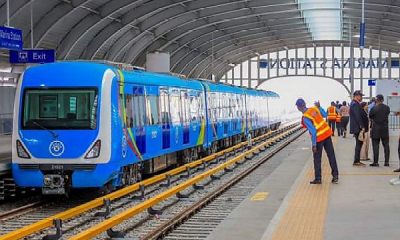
[379, 116]
[358, 125]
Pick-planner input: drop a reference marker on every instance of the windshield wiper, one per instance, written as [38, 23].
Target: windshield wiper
[55, 135]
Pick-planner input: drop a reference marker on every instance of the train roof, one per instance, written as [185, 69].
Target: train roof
[154, 79]
[90, 72]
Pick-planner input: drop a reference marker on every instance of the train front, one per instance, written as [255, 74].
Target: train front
[58, 111]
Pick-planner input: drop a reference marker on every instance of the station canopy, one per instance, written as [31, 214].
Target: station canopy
[197, 33]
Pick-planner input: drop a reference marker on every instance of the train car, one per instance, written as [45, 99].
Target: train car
[84, 125]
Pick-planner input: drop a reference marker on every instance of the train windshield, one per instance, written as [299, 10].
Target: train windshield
[60, 108]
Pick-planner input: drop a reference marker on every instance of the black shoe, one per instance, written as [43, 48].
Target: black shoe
[397, 170]
[335, 180]
[386, 164]
[316, 182]
[374, 164]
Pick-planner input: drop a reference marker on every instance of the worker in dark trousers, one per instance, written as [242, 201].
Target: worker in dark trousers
[379, 116]
[339, 125]
[320, 138]
[332, 117]
[358, 125]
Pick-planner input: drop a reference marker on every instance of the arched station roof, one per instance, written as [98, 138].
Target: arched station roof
[201, 35]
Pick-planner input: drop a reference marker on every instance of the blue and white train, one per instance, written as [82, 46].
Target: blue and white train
[92, 125]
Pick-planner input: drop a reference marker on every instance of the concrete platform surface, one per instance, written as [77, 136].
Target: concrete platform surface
[364, 205]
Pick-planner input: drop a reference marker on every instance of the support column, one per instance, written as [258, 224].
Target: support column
[333, 61]
[389, 65]
[315, 60]
[361, 71]
[296, 56]
[342, 61]
[305, 60]
[324, 56]
[249, 73]
[258, 70]
[233, 75]
[370, 70]
[241, 74]
[352, 68]
[380, 63]
[288, 62]
[269, 66]
[277, 64]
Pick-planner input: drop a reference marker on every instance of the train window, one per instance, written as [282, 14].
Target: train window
[48, 106]
[194, 108]
[59, 108]
[138, 108]
[214, 106]
[175, 109]
[200, 100]
[184, 106]
[164, 107]
[129, 110]
[152, 110]
[72, 104]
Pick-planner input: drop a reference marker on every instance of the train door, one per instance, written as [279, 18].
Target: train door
[139, 116]
[185, 116]
[165, 118]
[225, 111]
[153, 123]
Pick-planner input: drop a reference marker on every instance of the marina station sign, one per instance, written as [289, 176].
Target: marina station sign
[310, 63]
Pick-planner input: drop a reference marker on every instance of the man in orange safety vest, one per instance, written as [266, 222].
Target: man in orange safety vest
[332, 117]
[321, 138]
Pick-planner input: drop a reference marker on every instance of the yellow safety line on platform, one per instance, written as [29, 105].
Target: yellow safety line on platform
[304, 218]
[369, 173]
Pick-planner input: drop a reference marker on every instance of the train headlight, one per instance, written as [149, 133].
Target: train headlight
[94, 152]
[47, 181]
[22, 153]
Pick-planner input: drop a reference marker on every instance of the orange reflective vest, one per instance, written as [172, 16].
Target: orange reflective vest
[323, 130]
[338, 118]
[331, 113]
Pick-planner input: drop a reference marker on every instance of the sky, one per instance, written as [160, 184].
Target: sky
[307, 87]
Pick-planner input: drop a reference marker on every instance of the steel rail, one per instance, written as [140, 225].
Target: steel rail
[98, 202]
[119, 218]
[21, 210]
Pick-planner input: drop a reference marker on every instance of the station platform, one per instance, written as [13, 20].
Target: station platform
[364, 205]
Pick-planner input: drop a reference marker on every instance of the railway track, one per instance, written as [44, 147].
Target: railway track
[143, 224]
[21, 210]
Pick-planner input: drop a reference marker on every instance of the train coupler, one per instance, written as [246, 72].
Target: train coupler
[54, 184]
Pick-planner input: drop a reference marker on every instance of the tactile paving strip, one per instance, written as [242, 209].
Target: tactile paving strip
[304, 218]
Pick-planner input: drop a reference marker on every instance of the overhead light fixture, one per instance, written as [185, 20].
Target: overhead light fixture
[285, 47]
[314, 45]
[370, 46]
[398, 41]
[231, 64]
[257, 53]
[357, 36]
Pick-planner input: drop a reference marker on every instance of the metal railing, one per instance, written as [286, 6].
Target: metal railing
[394, 122]
[6, 123]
